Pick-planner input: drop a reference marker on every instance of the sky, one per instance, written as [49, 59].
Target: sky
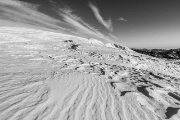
[133, 23]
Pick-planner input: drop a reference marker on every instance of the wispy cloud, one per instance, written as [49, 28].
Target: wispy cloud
[112, 36]
[10, 2]
[105, 23]
[66, 21]
[78, 23]
[122, 19]
[23, 12]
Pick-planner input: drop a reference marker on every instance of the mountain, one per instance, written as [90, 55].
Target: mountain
[173, 54]
[58, 76]
[46, 74]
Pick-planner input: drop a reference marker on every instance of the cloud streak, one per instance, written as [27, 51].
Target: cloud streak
[66, 21]
[122, 19]
[105, 23]
[23, 12]
[78, 23]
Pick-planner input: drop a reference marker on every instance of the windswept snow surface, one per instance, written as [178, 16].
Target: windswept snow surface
[53, 76]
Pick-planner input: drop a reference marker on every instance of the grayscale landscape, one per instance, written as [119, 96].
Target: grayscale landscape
[46, 74]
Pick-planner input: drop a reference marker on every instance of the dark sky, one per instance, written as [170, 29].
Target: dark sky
[134, 23]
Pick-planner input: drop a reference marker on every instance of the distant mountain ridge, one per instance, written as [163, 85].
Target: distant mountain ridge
[160, 53]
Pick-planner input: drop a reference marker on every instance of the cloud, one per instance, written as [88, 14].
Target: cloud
[112, 36]
[10, 2]
[78, 23]
[66, 21]
[73, 20]
[81, 25]
[30, 6]
[23, 12]
[122, 19]
[105, 23]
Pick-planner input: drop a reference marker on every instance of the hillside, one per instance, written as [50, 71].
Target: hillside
[53, 76]
[172, 54]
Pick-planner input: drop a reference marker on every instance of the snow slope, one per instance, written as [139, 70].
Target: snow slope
[53, 76]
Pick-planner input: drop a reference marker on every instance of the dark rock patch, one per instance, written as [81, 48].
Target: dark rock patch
[170, 111]
[156, 76]
[124, 93]
[143, 90]
[68, 41]
[74, 47]
[174, 96]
